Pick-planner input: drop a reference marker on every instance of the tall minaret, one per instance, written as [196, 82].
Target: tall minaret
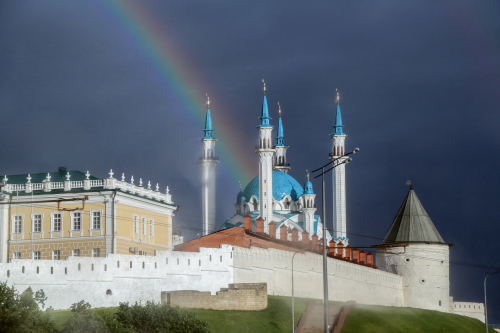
[339, 207]
[266, 152]
[280, 162]
[208, 163]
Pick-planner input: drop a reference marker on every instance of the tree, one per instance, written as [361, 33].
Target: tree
[84, 320]
[23, 312]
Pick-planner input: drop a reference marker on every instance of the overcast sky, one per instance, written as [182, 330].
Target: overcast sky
[94, 85]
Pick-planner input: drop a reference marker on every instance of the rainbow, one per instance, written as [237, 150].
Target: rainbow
[181, 81]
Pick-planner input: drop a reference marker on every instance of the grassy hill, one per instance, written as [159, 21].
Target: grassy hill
[277, 317]
[386, 319]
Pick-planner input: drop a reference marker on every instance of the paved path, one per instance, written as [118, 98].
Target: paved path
[314, 322]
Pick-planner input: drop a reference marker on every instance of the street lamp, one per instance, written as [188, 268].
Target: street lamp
[485, 310]
[325, 267]
[293, 305]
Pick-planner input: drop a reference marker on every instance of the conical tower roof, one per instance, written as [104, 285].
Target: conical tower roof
[412, 224]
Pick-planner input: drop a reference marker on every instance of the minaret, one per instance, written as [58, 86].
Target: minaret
[266, 152]
[309, 208]
[280, 162]
[339, 206]
[208, 163]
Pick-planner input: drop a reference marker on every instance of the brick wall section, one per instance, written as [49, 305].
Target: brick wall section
[239, 296]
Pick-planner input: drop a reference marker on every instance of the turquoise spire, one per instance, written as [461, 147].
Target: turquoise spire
[280, 139]
[264, 117]
[338, 120]
[208, 123]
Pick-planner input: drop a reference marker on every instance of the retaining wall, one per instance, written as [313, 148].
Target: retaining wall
[242, 296]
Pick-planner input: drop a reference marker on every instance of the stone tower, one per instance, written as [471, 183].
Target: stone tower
[266, 153]
[414, 249]
[338, 175]
[208, 163]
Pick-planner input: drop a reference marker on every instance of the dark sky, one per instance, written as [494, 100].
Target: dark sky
[81, 87]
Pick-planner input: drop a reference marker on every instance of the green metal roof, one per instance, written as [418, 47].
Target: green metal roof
[412, 224]
[59, 176]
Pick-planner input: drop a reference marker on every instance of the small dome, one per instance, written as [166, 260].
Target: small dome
[308, 188]
[283, 184]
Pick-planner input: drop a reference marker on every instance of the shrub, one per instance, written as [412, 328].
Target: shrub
[23, 312]
[84, 320]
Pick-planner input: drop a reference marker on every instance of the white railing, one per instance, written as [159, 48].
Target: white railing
[89, 183]
[56, 185]
[18, 187]
[76, 183]
[96, 182]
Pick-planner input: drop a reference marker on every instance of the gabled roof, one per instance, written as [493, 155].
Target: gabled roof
[412, 224]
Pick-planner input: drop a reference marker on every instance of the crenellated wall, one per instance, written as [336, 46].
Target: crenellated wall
[469, 309]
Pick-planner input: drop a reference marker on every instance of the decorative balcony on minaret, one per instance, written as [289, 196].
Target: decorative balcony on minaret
[208, 163]
[266, 153]
[339, 197]
[280, 162]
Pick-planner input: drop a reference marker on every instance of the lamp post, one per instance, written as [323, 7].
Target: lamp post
[325, 262]
[485, 309]
[293, 304]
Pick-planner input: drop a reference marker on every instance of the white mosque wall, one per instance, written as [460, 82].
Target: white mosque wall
[347, 281]
[128, 278]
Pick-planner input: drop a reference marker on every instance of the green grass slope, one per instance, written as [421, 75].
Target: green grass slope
[385, 319]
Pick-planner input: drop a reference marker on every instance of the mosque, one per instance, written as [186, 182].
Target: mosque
[274, 195]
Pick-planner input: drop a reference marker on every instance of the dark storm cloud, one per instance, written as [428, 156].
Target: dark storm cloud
[419, 95]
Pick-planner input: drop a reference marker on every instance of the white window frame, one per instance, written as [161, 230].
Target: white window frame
[136, 224]
[17, 255]
[37, 255]
[143, 222]
[52, 220]
[41, 222]
[96, 251]
[56, 255]
[92, 212]
[73, 218]
[14, 229]
[75, 252]
[152, 228]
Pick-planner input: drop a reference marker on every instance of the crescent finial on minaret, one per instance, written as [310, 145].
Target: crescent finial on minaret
[338, 96]
[208, 101]
[307, 172]
[264, 86]
[279, 106]
[240, 184]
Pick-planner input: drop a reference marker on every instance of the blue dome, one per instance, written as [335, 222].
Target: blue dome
[308, 188]
[283, 184]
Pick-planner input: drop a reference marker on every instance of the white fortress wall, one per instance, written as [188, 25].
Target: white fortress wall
[134, 279]
[469, 309]
[347, 281]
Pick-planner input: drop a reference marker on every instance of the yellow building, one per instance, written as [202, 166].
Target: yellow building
[69, 213]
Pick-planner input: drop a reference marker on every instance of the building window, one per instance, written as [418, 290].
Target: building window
[18, 224]
[96, 252]
[37, 222]
[76, 252]
[144, 226]
[36, 255]
[56, 221]
[17, 255]
[136, 224]
[96, 219]
[151, 228]
[439, 303]
[56, 255]
[77, 220]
